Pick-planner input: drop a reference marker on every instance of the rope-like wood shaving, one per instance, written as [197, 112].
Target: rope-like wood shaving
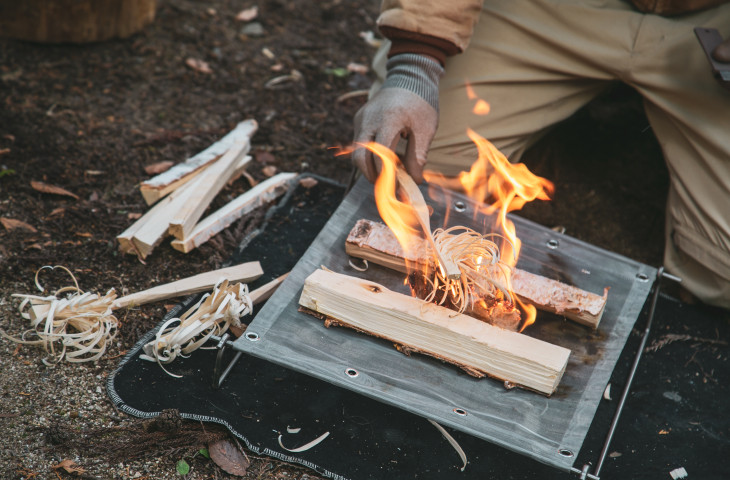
[212, 315]
[77, 327]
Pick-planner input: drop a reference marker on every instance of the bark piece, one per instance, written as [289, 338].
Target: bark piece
[477, 347]
[373, 241]
[259, 195]
[159, 186]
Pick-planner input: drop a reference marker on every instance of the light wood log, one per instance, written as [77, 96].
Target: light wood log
[257, 196]
[477, 347]
[210, 182]
[159, 186]
[374, 242]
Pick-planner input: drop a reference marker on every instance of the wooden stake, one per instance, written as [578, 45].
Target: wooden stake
[159, 186]
[375, 242]
[259, 195]
[477, 347]
[245, 272]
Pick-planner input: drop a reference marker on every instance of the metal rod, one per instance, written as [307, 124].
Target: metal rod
[219, 375]
[630, 379]
[584, 474]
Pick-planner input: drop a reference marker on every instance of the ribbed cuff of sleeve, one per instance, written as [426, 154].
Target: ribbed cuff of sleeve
[416, 73]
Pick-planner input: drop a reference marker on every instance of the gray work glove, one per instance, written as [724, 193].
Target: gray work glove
[405, 107]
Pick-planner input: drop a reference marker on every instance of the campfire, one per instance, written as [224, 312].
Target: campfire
[485, 261]
[469, 301]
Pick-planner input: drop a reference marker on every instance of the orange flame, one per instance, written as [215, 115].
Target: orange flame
[508, 187]
[398, 215]
[481, 107]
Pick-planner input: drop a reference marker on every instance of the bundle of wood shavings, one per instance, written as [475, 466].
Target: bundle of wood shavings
[483, 272]
[71, 325]
[211, 316]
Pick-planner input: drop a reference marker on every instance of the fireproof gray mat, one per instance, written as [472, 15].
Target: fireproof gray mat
[550, 430]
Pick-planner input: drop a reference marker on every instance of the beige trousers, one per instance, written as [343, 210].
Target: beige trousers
[537, 62]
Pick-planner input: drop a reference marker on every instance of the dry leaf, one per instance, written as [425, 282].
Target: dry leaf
[229, 457]
[57, 211]
[198, 65]
[84, 234]
[69, 466]
[134, 215]
[52, 189]
[308, 182]
[248, 14]
[11, 224]
[252, 181]
[269, 170]
[157, 168]
[3, 151]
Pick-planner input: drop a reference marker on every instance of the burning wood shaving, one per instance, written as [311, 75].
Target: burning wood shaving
[483, 273]
[306, 446]
[76, 327]
[452, 441]
[212, 315]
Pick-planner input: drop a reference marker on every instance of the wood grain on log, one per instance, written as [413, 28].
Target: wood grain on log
[477, 347]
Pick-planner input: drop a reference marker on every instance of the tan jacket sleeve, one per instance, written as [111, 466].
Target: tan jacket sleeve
[443, 26]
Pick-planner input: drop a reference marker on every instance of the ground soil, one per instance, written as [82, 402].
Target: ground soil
[89, 118]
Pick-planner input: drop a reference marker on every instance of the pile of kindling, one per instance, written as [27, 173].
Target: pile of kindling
[180, 196]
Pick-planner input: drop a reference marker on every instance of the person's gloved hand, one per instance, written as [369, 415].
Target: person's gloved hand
[406, 106]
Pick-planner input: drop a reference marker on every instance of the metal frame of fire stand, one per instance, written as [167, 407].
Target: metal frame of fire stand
[220, 373]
